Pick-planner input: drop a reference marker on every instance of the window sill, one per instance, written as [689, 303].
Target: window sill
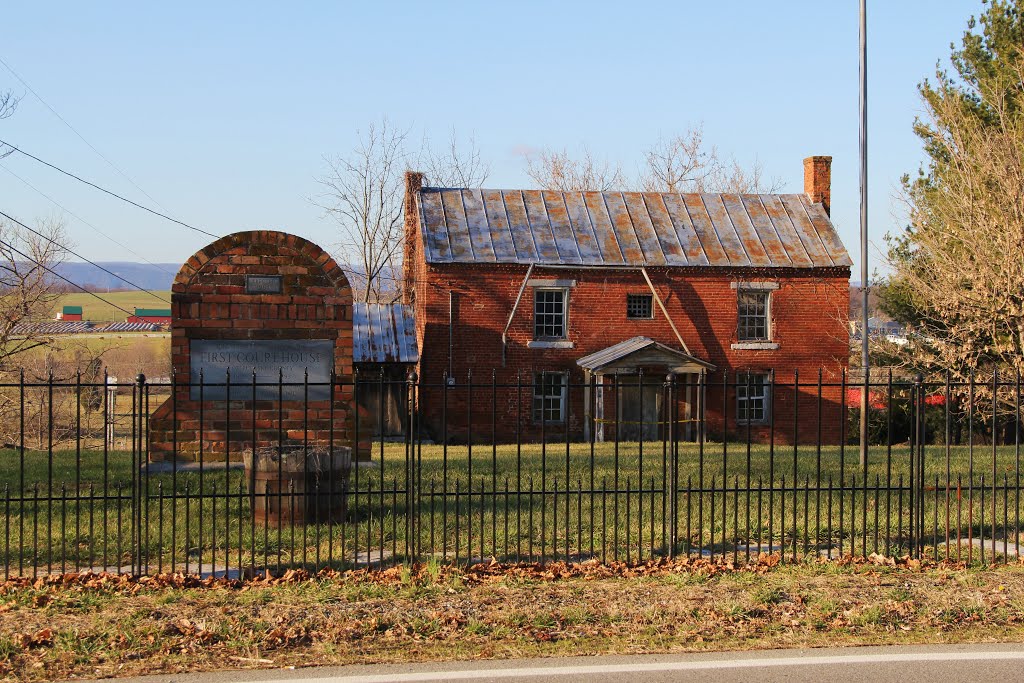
[755, 346]
[550, 344]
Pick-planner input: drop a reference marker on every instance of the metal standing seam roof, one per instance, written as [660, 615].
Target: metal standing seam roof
[383, 333]
[616, 352]
[627, 229]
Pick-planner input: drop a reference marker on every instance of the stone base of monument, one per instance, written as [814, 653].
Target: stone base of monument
[297, 485]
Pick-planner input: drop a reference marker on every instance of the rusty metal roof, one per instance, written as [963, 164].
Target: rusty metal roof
[627, 229]
[383, 333]
[616, 352]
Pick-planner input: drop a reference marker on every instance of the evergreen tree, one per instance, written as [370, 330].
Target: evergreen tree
[958, 268]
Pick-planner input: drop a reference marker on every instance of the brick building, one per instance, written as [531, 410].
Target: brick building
[70, 314]
[157, 316]
[567, 299]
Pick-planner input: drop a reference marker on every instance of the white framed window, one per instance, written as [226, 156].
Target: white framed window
[639, 306]
[754, 323]
[549, 397]
[752, 397]
[550, 313]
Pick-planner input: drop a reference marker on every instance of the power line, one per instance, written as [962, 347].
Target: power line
[92, 263]
[154, 212]
[109, 192]
[82, 220]
[75, 131]
[53, 272]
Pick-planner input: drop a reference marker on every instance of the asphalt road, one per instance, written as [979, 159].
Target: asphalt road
[936, 664]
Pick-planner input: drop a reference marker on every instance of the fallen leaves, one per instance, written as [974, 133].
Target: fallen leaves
[41, 638]
[488, 609]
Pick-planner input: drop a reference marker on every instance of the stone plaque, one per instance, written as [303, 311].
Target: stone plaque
[272, 359]
[262, 284]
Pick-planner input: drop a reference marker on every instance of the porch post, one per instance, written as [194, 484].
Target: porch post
[599, 407]
[688, 411]
[586, 405]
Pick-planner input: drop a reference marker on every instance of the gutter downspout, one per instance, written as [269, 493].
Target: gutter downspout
[665, 312]
[451, 331]
[512, 314]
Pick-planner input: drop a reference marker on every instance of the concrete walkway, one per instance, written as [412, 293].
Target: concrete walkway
[864, 665]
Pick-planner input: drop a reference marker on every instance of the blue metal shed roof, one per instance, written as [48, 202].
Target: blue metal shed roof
[383, 333]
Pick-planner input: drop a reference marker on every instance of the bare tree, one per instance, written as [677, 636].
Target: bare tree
[363, 193]
[558, 171]
[455, 166]
[684, 163]
[681, 163]
[732, 178]
[28, 292]
[8, 103]
[957, 271]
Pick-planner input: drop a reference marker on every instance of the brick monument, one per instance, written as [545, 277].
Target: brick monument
[264, 304]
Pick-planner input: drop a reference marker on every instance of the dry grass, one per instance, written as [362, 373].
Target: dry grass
[101, 627]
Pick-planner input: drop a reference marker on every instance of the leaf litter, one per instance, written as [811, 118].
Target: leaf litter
[96, 624]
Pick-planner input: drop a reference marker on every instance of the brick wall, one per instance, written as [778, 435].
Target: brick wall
[809, 318]
[208, 301]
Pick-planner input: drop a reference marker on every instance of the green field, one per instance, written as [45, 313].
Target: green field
[95, 310]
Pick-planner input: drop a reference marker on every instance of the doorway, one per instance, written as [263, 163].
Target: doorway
[640, 400]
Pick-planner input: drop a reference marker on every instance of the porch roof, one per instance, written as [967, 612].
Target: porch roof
[641, 351]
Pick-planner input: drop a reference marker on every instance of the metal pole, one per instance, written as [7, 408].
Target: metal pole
[865, 360]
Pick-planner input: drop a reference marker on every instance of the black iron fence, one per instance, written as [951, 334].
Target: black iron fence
[940, 478]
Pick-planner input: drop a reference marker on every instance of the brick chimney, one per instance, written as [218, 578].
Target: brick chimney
[413, 183]
[818, 181]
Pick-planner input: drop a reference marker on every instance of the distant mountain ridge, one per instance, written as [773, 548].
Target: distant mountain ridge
[156, 276]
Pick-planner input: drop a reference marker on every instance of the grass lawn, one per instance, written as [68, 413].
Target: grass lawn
[118, 627]
[76, 510]
[576, 464]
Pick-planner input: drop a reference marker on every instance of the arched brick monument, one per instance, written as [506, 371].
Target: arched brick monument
[264, 302]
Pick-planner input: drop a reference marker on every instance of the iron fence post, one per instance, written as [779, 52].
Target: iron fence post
[671, 481]
[137, 465]
[916, 491]
[410, 469]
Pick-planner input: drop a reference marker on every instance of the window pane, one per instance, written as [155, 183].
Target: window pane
[639, 306]
[752, 398]
[549, 313]
[753, 315]
[548, 396]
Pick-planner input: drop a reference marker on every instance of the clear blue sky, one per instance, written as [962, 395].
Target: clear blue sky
[223, 112]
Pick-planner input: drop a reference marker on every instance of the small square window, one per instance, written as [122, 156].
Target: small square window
[549, 397]
[549, 313]
[752, 397]
[639, 306]
[753, 323]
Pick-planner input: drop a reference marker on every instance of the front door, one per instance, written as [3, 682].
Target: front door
[639, 408]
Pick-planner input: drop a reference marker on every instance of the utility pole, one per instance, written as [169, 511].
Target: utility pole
[865, 361]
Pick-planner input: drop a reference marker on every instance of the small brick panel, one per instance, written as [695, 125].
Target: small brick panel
[208, 301]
